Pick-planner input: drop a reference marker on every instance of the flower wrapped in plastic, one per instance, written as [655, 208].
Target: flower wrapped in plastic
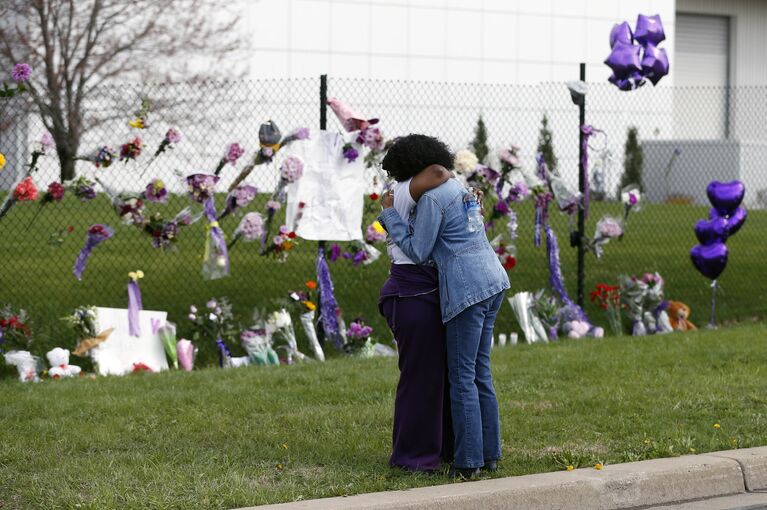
[15, 331]
[27, 365]
[257, 342]
[215, 260]
[546, 307]
[307, 308]
[633, 292]
[280, 326]
[167, 334]
[186, 353]
[529, 324]
[655, 306]
[83, 188]
[250, 229]
[358, 339]
[238, 198]
[201, 187]
[129, 207]
[96, 235]
[631, 197]
[607, 228]
[164, 233]
[282, 244]
[131, 150]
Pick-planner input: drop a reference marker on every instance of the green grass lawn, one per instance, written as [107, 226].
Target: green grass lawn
[39, 277]
[249, 436]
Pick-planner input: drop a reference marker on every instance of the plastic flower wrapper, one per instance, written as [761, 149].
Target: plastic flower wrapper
[308, 309]
[156, 192]
[129, 207]
[186, 352]
[201, 187]
[234, 151]
[257, 341]
[215, 260]
[269, 139]
[280, 325]
[15, 331]
[520, 305]
[568, 200]
[655, 305]
[546, 307]
[164, 233]
[96, 235]
[27, 365]
[631, 197]
[250, 229]
[607, 228]
[358, 339]
[131, 150]
[83, 322]
[238, 198]
[608, 297]
[167, 334]
[83, 188]
[633, 293]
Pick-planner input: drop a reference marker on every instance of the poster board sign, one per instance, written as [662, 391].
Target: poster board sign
[331, 189]
[118, 354]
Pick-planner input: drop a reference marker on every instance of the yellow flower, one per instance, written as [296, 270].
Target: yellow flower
[284, 446]
[136, 275]
[598, 466]
[717, 426]
[570, 467]
[2, 160]
[309, 305]
[692, 450]
[279, 467]
[378, 227]
[137, 123]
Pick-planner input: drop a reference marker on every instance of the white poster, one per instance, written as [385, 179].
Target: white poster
[121, 351]
[331, 189]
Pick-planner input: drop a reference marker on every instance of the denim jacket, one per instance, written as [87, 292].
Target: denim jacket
[469, 270]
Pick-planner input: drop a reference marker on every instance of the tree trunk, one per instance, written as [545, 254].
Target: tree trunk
[66, 148]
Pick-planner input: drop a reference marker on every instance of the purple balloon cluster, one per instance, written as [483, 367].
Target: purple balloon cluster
[631, 63]
[725, 219]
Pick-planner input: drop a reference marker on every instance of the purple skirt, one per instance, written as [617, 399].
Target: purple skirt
[422, 434]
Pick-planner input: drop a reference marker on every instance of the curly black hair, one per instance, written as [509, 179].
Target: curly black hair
[410, 154]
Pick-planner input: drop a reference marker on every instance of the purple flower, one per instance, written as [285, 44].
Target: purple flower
[284, 230]
[251, 227]
[372, 235]
[233, 153]
[292, 168]
[273, 206]
[173, 135]
[21, 72]
[301, 134]
[502, 208]
[372, 138]
[359, 257]
[358, 330]
[518, 192]
[156, 191]
[201, 186]
[46, 141]
[335, 252]
[267, 152]
[104, 157]
[211, 304]
[350, 153]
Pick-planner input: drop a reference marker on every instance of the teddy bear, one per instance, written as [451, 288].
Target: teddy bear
[678, 314]
[59, 361]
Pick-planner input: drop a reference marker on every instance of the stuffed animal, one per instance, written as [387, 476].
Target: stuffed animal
[678, 314]
[59, 361]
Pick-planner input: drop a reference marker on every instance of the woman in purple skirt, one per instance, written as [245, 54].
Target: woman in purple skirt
[422, 436]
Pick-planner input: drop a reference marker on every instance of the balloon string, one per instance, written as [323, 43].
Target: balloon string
[713, 302]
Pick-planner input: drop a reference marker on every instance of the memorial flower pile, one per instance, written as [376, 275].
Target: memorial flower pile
[608, 297]
[15, 331]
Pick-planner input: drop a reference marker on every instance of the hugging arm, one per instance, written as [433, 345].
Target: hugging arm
[417, 245]
[429, 178]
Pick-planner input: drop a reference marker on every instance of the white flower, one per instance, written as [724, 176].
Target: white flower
[465, 161]
[279, 319]
[630, 196]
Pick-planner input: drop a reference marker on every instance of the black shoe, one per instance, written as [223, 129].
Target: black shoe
[490, 465]
[462, 473]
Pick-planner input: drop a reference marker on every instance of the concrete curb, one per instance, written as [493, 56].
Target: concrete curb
[619, 486]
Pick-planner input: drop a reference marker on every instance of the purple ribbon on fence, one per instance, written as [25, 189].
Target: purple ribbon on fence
[556, 279]
[541, 201]
[328, 304]
[134, 307]
[96, 235]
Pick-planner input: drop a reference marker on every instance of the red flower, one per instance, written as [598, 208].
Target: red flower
[70, 229]
[25, 190]
[301, 205]
[509, 263]
[374, 196]
[292, 235]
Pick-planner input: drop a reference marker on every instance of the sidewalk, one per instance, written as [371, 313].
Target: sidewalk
[651, 483]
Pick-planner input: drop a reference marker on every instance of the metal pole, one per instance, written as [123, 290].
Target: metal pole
[581, 187]
[323, 118]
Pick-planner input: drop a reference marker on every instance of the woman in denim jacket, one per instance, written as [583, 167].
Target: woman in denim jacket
[471, 287]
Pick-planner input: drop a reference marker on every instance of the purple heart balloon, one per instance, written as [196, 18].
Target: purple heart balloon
[711, 231]
[725, 196]
[709, 260]
[649, 30]
[654, 63]
[624, 59]
[621, 32]
[736, 220]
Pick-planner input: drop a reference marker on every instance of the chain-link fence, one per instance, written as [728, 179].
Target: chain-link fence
[687, 137]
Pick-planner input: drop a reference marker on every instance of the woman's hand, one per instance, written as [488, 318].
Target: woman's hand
[387, 199]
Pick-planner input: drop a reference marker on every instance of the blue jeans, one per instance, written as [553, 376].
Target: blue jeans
[474, 406]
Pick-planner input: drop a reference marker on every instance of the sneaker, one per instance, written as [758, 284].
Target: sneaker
[462, 473]
[490, 465]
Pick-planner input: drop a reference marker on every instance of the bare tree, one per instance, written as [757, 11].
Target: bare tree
[77, 46]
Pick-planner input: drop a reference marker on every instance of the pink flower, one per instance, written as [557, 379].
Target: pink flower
[292, 168]
[234, 152]
[273, 205]
[173, 135]
[21, 72]
[25, 191]
[55, 192]
[46, 141]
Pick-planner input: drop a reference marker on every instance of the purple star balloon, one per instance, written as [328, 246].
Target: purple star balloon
[624, 59]
[621, 32]
[654, 63]
[649, 30]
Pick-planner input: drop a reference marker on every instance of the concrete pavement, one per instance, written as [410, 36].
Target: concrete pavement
[695, 479]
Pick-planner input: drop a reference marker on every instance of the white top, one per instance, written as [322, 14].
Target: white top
[403, 204]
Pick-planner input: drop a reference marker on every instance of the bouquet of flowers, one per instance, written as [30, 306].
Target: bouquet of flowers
[465, 162]
[281, 244]
[521, 305]
[83, 188]
[156, 192]
[607, 228]
[655, 315]
[633, 292]
[15, 332]
[164, 233]
[608, 297]
[214, 321]
[546, 307]
[251, 228]
[167, 334]
[358, 339]
[24, 188]
[271, 141]
[233, 152]
[129, 207]
[131, 150]
[257, 341]
[104, 156]
[201, 187]
[238, 198]
[280, 325]
[307, 307]
[85, 326]
[375, 233]
[96, 235]
[186, 353]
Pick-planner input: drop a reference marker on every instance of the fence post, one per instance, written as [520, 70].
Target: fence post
[323, 118]
[582, 176]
